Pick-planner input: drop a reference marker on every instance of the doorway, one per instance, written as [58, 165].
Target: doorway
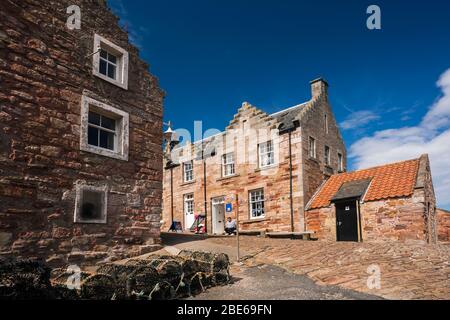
[347, 221]
[218, 215]
[189, 216]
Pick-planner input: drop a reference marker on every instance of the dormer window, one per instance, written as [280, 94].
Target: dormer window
[110, 62]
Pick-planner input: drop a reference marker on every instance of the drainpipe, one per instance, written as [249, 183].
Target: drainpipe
[290, 182]
[171, 193]
[204, 191]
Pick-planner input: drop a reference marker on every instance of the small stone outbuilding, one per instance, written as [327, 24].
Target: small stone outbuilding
[390, 202]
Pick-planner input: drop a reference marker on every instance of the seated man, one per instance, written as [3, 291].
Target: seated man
[230, 226]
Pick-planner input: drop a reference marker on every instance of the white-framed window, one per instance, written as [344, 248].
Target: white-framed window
[104, 129]
[189, 204]
[340, 163]
[228, 168]
[256, 202]
[266, 154]
[110, 62]
[188, 171]
[327, 159]
[312, 147]
[91, 204]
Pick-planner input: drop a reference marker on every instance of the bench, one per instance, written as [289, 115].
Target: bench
[307, 235]
[260, 232]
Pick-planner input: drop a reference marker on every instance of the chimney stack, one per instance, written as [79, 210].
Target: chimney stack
[319, 87]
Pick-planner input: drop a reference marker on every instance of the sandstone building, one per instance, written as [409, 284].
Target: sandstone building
[443, 218]
[394, 202]
[81, 134]
[264, 168]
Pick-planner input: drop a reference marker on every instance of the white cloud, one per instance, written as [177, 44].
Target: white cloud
[431, 135]
[359, 119]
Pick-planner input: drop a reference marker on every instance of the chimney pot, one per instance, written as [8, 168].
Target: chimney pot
[319, 87]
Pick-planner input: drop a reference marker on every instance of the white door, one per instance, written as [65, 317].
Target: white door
[218, 215]
[189, 216]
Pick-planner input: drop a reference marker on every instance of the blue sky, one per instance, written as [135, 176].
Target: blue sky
[210, 56]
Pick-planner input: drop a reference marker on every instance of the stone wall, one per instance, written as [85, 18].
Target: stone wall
[443, 220]
[45, 69]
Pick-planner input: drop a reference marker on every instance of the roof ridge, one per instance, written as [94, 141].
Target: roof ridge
[379, 166]
[289, 109]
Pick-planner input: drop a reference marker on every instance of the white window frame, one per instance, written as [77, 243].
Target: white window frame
[188, 175]
[254, 198]
[188, 203]
[228, 167]
[121, 141]
[122, 62]
[312, 147]
[266, 151]
[327, 155]
[79, 202]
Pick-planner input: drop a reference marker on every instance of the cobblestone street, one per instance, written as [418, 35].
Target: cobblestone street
[408, 270]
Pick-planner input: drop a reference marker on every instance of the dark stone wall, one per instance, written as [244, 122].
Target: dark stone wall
[44, 70]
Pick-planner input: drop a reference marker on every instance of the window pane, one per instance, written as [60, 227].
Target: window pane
[112, 58]
[93, 136]
[103, 54]
[102, 68]
[106, 140]
[108, 123]
[91, 208]
[111, 71]
[94, 118]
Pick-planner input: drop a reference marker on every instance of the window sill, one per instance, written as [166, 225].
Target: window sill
[103, 152]
[91, 222]
[314, 159]
[250, 221]
[273, 166]
[228, 177]
[187, 183]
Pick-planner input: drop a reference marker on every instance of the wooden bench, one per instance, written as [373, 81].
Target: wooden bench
[307, 235]
[261, 233]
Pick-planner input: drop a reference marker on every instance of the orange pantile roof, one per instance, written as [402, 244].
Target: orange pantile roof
[388, 181]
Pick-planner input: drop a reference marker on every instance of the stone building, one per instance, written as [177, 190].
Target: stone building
[263, 169]
[394, 202]
[81, 134]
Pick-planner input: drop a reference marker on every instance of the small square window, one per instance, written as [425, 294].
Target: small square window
[104, 129]
[101, 131]
[110, 63]
[90, 204]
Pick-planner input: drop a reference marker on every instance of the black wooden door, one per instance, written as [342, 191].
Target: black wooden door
[346, 221]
